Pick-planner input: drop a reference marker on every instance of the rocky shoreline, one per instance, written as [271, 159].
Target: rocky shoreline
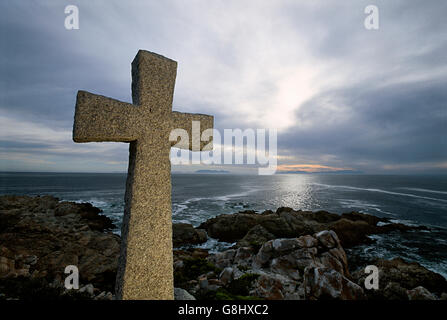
[286, 254]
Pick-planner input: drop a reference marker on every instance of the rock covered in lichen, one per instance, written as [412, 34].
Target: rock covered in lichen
[40, 236]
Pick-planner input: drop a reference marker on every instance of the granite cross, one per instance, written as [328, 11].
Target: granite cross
[145, 268]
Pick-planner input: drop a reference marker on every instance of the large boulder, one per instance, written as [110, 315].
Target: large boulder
[230, 228]
[249, 228]
[398, 273]
[369, 219]
[185, 234]
[307, 267]
[420, 293]
[281, 224]
[326, 283]
[352, 232]
[255, 237]
[272, 287]
[182, 294]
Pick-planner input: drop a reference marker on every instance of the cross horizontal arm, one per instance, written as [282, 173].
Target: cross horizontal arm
[98, 118]
[194, 124]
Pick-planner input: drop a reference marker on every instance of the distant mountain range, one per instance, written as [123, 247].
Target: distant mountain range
[212, 171]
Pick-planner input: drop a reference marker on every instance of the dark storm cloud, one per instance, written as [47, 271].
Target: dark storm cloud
[398, 124]
[42, 66]
[339, 94]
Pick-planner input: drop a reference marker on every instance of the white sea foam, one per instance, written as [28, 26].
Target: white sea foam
[388, 247]
[424, 190]
[182, 206]
[236, 195]
[95, 202]
[384, 212]
[363, 205]
[178, 208]
[380, 190]
[213, 245]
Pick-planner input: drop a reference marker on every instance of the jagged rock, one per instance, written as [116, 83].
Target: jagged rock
[255, 237]
[227, 275]
[408, 275]
[40, 236]
[185, 233]
[244, 256]
[252, 229]
[230, 228]
[352, 232]
[326, 283]
[264, 254]
[393, 291]
[269, 287]
[104, 296]
[284, 209]
[420, 293]
[327, 238]
[87, 288]
[223, 259]
[308, 267]
[340, 255]
[182, 294]
[289, 250]
[190, 253]
[285, 254]
[307, 241]
[369, 219]
[281, 264]
[331, 262]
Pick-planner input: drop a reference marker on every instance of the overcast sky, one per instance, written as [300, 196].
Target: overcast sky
[341, 96]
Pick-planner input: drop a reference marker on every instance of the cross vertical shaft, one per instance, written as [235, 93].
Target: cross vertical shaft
[145, 268]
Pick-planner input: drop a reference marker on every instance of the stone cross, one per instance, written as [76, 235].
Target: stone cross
[145, 268]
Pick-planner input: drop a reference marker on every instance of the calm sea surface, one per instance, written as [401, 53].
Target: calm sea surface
[418, 200]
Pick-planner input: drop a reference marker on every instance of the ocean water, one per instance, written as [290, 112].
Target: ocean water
[416, 200]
